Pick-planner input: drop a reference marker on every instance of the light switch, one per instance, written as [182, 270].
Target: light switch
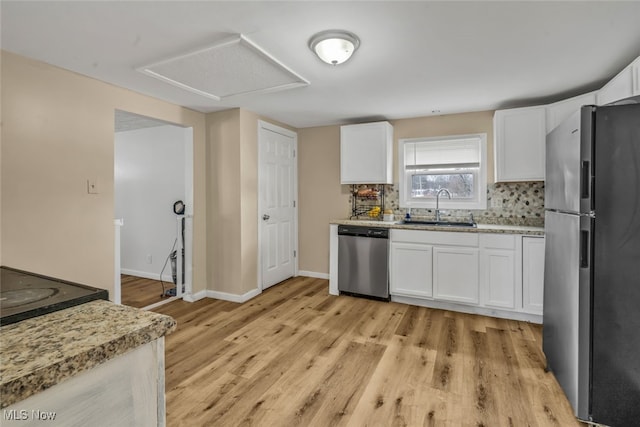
[92, 186]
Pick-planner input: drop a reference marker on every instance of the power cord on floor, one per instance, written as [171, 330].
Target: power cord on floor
[165, 266]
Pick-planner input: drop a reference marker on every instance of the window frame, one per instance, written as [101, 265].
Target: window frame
[479, 200]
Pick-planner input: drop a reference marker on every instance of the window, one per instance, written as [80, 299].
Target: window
[455, 163]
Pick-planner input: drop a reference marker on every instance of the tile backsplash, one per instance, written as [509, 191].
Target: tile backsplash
[517, 203]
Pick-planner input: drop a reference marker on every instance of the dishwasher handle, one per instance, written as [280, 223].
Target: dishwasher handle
[380, 234]
[359, 231]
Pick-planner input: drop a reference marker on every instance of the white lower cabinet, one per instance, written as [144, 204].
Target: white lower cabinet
[485, 273]
[497, 270]
[128, 390]
[532, 274]
[455, 274]
[435, 265]
[411, 269]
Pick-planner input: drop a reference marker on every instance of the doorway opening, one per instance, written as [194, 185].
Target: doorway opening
[153, 178]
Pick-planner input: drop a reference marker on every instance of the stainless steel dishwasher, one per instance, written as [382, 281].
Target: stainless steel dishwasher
[363, 261]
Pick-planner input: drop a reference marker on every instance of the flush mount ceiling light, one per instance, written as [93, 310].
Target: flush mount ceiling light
[334, 46]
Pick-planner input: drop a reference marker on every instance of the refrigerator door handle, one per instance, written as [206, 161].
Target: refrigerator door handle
[585, 179]
[584, 248]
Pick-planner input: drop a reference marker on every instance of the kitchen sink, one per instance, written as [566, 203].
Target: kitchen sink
[440, 223]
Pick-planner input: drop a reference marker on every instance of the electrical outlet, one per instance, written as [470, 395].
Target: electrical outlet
[92, 186]
[496, 202]
[149, 259]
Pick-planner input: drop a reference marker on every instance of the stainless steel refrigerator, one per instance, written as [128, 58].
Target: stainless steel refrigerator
[591, 317]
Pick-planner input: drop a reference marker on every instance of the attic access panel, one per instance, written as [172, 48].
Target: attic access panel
[233, 66]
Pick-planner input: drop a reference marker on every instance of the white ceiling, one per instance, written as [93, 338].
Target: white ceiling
[415, 57]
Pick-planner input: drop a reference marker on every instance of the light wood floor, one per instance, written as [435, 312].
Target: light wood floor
[140, 292]
[296, 356]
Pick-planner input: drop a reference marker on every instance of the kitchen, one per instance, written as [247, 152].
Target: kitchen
[59, 230]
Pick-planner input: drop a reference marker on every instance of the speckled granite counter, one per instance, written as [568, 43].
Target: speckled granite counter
[482, 228]
[40, 352]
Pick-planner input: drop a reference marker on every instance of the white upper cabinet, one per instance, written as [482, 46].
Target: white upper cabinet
[519, 148]
[635, 69]
[520, 133]
[366, 153]
[625, 84]
[620, 87]
[561, 110]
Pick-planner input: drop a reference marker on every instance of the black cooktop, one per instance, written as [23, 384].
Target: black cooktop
[24, 295]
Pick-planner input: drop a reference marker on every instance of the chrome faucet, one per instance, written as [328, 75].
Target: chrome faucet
[438, 201]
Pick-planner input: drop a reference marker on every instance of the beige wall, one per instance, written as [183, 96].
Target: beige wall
[232, 200]
[57, 131]
[232, 177]
[322, 198]
[249, 198]
[223, 203]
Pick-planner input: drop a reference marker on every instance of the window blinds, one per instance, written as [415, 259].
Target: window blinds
[459, 153]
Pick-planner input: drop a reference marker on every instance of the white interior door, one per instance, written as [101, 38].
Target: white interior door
[277, 203]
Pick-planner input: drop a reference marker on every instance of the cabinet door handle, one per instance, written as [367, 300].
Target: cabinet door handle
[265, 217]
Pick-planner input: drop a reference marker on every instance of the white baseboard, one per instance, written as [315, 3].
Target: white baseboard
[445, 305]
[233, 297]
[313, 274]
[222, 296]
[161, 303]
[195, 297]
[145, 274]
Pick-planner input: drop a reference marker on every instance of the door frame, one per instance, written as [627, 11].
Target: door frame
[262, 125]
[187, 295]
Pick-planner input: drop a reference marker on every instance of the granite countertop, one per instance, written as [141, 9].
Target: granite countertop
[481, 228]
[40, 352]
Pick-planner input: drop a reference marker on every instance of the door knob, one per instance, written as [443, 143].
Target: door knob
[265, 217]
